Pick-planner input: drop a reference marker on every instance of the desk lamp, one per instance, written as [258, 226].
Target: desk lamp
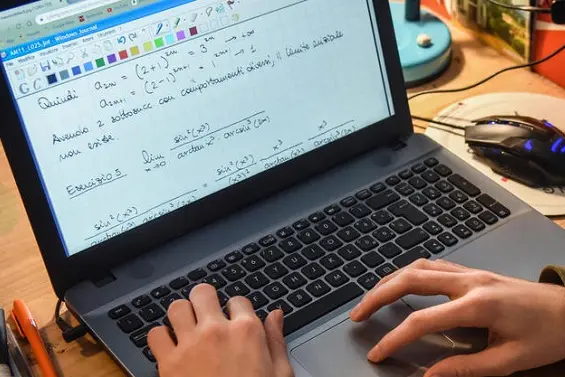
[423, 40]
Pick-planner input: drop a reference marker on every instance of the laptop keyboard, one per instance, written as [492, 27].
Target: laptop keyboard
[319, 263]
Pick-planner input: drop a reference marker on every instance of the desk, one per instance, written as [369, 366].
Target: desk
[23, 273]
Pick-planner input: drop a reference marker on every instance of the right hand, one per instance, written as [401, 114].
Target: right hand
[526, 320]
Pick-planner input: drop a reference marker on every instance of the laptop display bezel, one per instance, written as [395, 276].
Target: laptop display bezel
[67, 271]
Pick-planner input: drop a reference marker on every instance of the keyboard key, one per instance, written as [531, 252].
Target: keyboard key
[360, 210]
[385, 270]
[141, 301]
[383, 199]
[336, 278]
[434, 246]
[318, 288]
[349, 252]
[447, 239]
[262, 315]
[186, 291]
[368, 281]
[366, 243]
[382, 217]
[179, 283]
[458, 196]
[418, 199]
[275, 271]
[400, 226]
[308, 236]
[301, 224]
[325, 228]
[258, 300]
[418, 168]
[433, 210]
[354, 269]
[216, 265]
[372, 259]
[446, 203]
[390, 250]
[431, 162]
[409, 212]
[316, 217]
[343, 219]
[412, 238]
[363, 194]
[331, 261]
[285, 232]
[313, 271]
[222, 298]
[257, 280]
[417, 182]
[294, 261]
[167, 301]
[160, 292]
[313, 252]
[294, 280]
[139, 338]
[443, 170]
[149, 355]
[486, 200]
[431, 192]
[319, 308]
[237, 289]
[406, 174]
[384, 234]
[411, 256]
[252, 263]
[275, 290]
[462, 231]
[348, 234]
[268, 240]
[473, 207]
[272, 253]
[233, 257]
[460, 214]
[233, 273]
[282, 305]
[488, 217]
[119, 312]
[365, 225]
[444, 186]
[392, 181]
[433, 228]
[250, 249]
[215, 280]
[500, 210]
[197, 274]
[331, 243]
[348, 202]
[377, 188]
[475, 224]
[299, 298]
[332, 210]
[151, 312]
[430, 176]
[464, 185]
[405, 189]
[447, 220]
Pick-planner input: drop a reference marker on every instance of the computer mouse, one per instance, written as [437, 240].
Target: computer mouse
[525, 149]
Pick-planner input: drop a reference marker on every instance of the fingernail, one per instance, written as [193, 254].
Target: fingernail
[355, 310]
[374, 355]
[279, 317]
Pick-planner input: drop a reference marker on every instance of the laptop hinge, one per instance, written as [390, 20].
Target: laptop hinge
[103, 280]
[398, 145]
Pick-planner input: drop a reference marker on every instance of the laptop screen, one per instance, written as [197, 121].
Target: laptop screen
[133, 109]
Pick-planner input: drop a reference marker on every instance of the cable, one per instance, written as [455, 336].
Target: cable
[450, 125]
[540, 61]
[70, 333]
[525, 8]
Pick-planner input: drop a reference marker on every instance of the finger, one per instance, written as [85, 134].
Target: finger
[494, 361]
[160, 341]
[277, 344]
[426, 264]
[409, 281]
[240, 307]
[205, 303]
[181, 315]
[454, 314]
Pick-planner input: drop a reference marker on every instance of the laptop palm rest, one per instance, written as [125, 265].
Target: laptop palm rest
[342, 350]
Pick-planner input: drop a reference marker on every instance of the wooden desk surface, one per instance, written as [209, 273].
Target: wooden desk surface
[23, 274]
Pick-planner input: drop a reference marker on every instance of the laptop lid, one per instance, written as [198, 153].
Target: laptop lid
[128, 123]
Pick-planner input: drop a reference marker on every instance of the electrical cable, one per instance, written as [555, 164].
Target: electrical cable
[70, 333]
[429, 120]
[525, 8]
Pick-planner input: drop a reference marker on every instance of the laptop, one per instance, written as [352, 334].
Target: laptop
[263, 147]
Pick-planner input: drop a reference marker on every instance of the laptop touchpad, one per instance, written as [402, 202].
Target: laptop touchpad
[342, 350]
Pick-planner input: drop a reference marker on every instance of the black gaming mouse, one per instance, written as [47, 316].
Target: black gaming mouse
[524, 149]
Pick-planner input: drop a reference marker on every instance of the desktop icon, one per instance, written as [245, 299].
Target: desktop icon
[20, 74]
[81, 19]
[32, 70]
[45, 66]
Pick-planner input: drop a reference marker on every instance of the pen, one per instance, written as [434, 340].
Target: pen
[28, 329]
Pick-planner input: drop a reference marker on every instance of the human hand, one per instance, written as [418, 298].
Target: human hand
[526, 320]
[210, 345]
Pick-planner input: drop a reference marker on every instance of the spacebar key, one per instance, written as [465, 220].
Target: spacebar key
[325, 305]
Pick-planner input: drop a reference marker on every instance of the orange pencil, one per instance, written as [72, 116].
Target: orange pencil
[28, 329]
